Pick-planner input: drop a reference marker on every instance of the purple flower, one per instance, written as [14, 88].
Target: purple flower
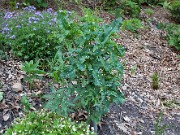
[5, 29]
[54, 20]
[33, 19]
[8, 15]
[17, 5]
[50, 23]
[49, 10]
[39, 14]
[13, 37]
[18, 26]
[30, 8]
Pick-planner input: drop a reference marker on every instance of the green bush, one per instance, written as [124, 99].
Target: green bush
[47, 123]
[175, 10]
[30, 34]
[149, 2]
[132, 25]
[37, 3]
[3, 48]
[87, 66]
[130, 8]
[173, 34]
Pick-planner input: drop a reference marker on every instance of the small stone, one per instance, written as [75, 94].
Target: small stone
[17, 87]
[6, 117]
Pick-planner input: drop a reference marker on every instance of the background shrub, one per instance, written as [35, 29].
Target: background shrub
[175, 10]
[47, 123]
[29, 34]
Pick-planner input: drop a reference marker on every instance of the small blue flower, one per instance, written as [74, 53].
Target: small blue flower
[54, 20]
[49, 10]
[30, 8]
[39, 14]
[18, 26]
[13, 37]
[8, 15]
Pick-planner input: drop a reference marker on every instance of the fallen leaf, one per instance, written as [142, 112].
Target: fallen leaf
[17, 87]
[122, 127]
[127, 119]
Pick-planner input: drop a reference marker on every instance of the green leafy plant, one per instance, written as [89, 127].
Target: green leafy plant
[32, 72]
[30, 35]
[25, 103]
[149, 11]
[155, 81]
[3, 48]
[130, 8]
[133, 69]
[47, 123]
[173, 34]
[159, 130]
[87, 66]
[37, 3]
[132, 25]
[165, 4]
[174, 9]
[149, 2]
[171, 104]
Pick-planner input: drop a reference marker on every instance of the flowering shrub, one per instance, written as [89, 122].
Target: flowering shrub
[47, 123]
[29, 33]
[87, 66]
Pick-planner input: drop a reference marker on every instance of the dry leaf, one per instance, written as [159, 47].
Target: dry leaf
[122, 127]
[127, 119]
[17, 87]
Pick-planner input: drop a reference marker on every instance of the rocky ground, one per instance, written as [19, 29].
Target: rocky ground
[147, 52]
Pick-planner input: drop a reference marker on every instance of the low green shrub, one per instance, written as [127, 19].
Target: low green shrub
[149, 2]
[132, 25]
[149, 11]
[173, 34]
[3, 48]
[87, 66]
[30, 34]
[47, 123]
[32, 72]
[174, 9]
[37, 3]
[130, 8]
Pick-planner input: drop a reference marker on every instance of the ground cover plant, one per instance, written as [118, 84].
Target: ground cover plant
[174, 8]
[81, 76]
[47, 123]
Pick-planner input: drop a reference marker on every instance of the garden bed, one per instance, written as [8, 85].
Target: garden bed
[147, 52]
